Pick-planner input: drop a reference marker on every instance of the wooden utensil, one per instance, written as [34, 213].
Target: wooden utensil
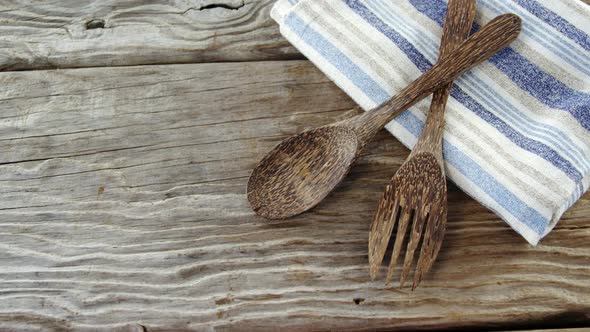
[418, 190]
[298, 173]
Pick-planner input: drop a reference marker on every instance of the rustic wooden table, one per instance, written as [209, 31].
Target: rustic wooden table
[128, 131]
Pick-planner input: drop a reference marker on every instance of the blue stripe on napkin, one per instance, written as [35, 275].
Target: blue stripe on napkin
[556, 21]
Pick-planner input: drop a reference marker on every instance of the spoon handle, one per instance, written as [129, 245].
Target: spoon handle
[480, 46]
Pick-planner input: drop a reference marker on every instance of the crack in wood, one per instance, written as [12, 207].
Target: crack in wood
[226, 6]
[95, 24]
[223, 5]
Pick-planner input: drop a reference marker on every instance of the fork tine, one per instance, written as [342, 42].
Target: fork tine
[425, 259]
[433, 238]
[381, 229]
[399, 240]
[418, 225]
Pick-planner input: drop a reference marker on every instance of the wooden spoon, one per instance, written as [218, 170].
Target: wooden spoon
[303, 169]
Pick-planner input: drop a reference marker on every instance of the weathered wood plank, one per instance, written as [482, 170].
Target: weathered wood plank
[90, 33]
[122, 205]
[94, 33]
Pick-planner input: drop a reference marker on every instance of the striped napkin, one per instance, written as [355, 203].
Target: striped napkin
[517, 136]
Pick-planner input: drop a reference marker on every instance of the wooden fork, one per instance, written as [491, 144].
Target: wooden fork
[418, 190]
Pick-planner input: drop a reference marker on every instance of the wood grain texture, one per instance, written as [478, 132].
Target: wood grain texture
[91, 33]
[301, 171]
[123, 206]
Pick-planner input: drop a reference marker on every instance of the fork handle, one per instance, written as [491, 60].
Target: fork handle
[494, 36]
[458, 23]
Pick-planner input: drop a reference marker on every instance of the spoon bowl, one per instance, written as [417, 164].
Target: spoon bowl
[301, 171]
